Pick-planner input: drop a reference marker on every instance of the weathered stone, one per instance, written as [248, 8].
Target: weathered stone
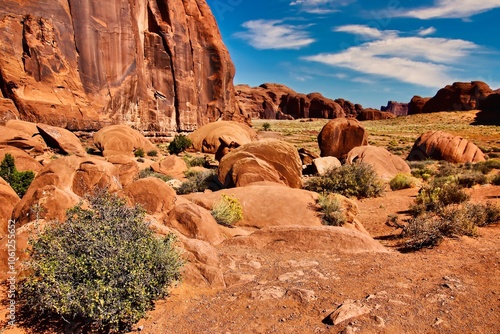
[341, 135]
[22, 160]
[348, 310]
[370, 114]
[172, 165]
[324, 164]
[274, 161]
[121, 140]
[444, 146]
[9, 199]
[8, 111]
[61, 139]
[153, 195]
[383, 162]
[159, 66]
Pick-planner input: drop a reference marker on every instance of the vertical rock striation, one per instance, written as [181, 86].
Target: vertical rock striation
[157, 65]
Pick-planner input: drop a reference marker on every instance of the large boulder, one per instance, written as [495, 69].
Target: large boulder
[214, 137]
[9, 199]
[61, 139]
[341, 135]
[8, 110]
[384, 163]
[267, 204]
[121, 140]
[444, 146]
[370, 114]
[127, 167]
[62, 184]
[171, 165]
[153, 195]
[274, 161]
[159, 66]
[329, 239]
[31, 130]
[456, 97]
[21, 139]
[22, 160]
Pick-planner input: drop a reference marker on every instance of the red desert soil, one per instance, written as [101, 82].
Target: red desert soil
[453, 288]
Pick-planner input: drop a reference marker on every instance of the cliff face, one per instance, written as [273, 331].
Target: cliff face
[157, 65]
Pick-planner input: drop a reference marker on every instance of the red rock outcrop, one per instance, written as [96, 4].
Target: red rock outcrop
[444, 146]
[8, 111]
[341, 135]
[121, 140]
[370, 114]
[9, 199]
[273, 161]
[396, 108]
[275, 101]
[384, 163]
[459, 96]
[159, 66]
[61, 139]
[22, 160]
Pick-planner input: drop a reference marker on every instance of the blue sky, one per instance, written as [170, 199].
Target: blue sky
[367, 52]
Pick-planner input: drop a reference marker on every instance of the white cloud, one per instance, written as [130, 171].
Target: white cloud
[451, 9]
[274, 34]
[423, 61]
[426, 32]
[365, 31]
[320, 6]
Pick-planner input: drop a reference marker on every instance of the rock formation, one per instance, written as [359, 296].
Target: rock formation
[370, 114]
[383, 162]
[159, 66]
[459, 96]
[275, 101]
[444, 146]
[341, 135]
[396, 108]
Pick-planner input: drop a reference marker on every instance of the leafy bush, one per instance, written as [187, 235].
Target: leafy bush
[139, 153]
[358, 180]
[227, 210]
[179, 144]
[402, 181]
[436, 196]
[194, 161]
[487, 166]
[102, 266]
[153, 153]
[197, 182]
[148, 172]
[332, 210]
[19, 181]
[422, 169]
[266, 126]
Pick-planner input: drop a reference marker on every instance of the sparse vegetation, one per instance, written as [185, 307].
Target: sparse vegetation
[152, 153]
[179, 144]
[103, 266]
[402, 181]
[266, 126]
[194, 161]
[436, 196]
[227, 210]
[19, 181]
[496, 179]
[356, 180]
[148, 172]
[332, 211]
[139, 153]
[197, 182]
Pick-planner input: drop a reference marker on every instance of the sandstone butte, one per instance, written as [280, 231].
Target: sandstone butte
[159, 66]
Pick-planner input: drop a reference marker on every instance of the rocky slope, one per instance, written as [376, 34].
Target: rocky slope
[158, 66]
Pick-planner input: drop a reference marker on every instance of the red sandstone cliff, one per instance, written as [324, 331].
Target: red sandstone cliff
[157, 65]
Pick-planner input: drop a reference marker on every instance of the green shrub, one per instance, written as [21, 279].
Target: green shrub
[102, 266]
[266, 126]
[140, 160]
[197, 182]
[402, 181]
[496, 179]
[194, 161]
[358, 180]
[436, 196]
[332, 211]
[179, 144]
[148, 172]
[227, 210]
[471, 178]
[19, 181]
[487, 166]
[152, 153]
[139, 153]
[422, 169]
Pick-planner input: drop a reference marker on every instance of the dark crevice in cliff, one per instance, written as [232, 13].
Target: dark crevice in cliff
[153, 22]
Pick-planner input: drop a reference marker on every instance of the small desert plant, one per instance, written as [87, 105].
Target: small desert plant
[90, 150]
[266, 126]
[422, 169]
[422, 231]
[358, 180]
[19, 181]
[139, 153]
[436, 196]
[402, 181]
[332, 211]
[102, 266]
[471, 178]
[179, 144]
[148, 172]
[197, 182]
[152, 153]
[194, 161]
[496, 179]
[227, 210]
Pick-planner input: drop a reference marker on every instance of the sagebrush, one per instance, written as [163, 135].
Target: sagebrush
[103, 266]
[227, 210]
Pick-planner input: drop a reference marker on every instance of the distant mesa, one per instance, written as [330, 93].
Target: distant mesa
[276, 101]
[396, 108]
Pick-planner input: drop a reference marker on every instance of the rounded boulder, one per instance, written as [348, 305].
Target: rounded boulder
[341, 135]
